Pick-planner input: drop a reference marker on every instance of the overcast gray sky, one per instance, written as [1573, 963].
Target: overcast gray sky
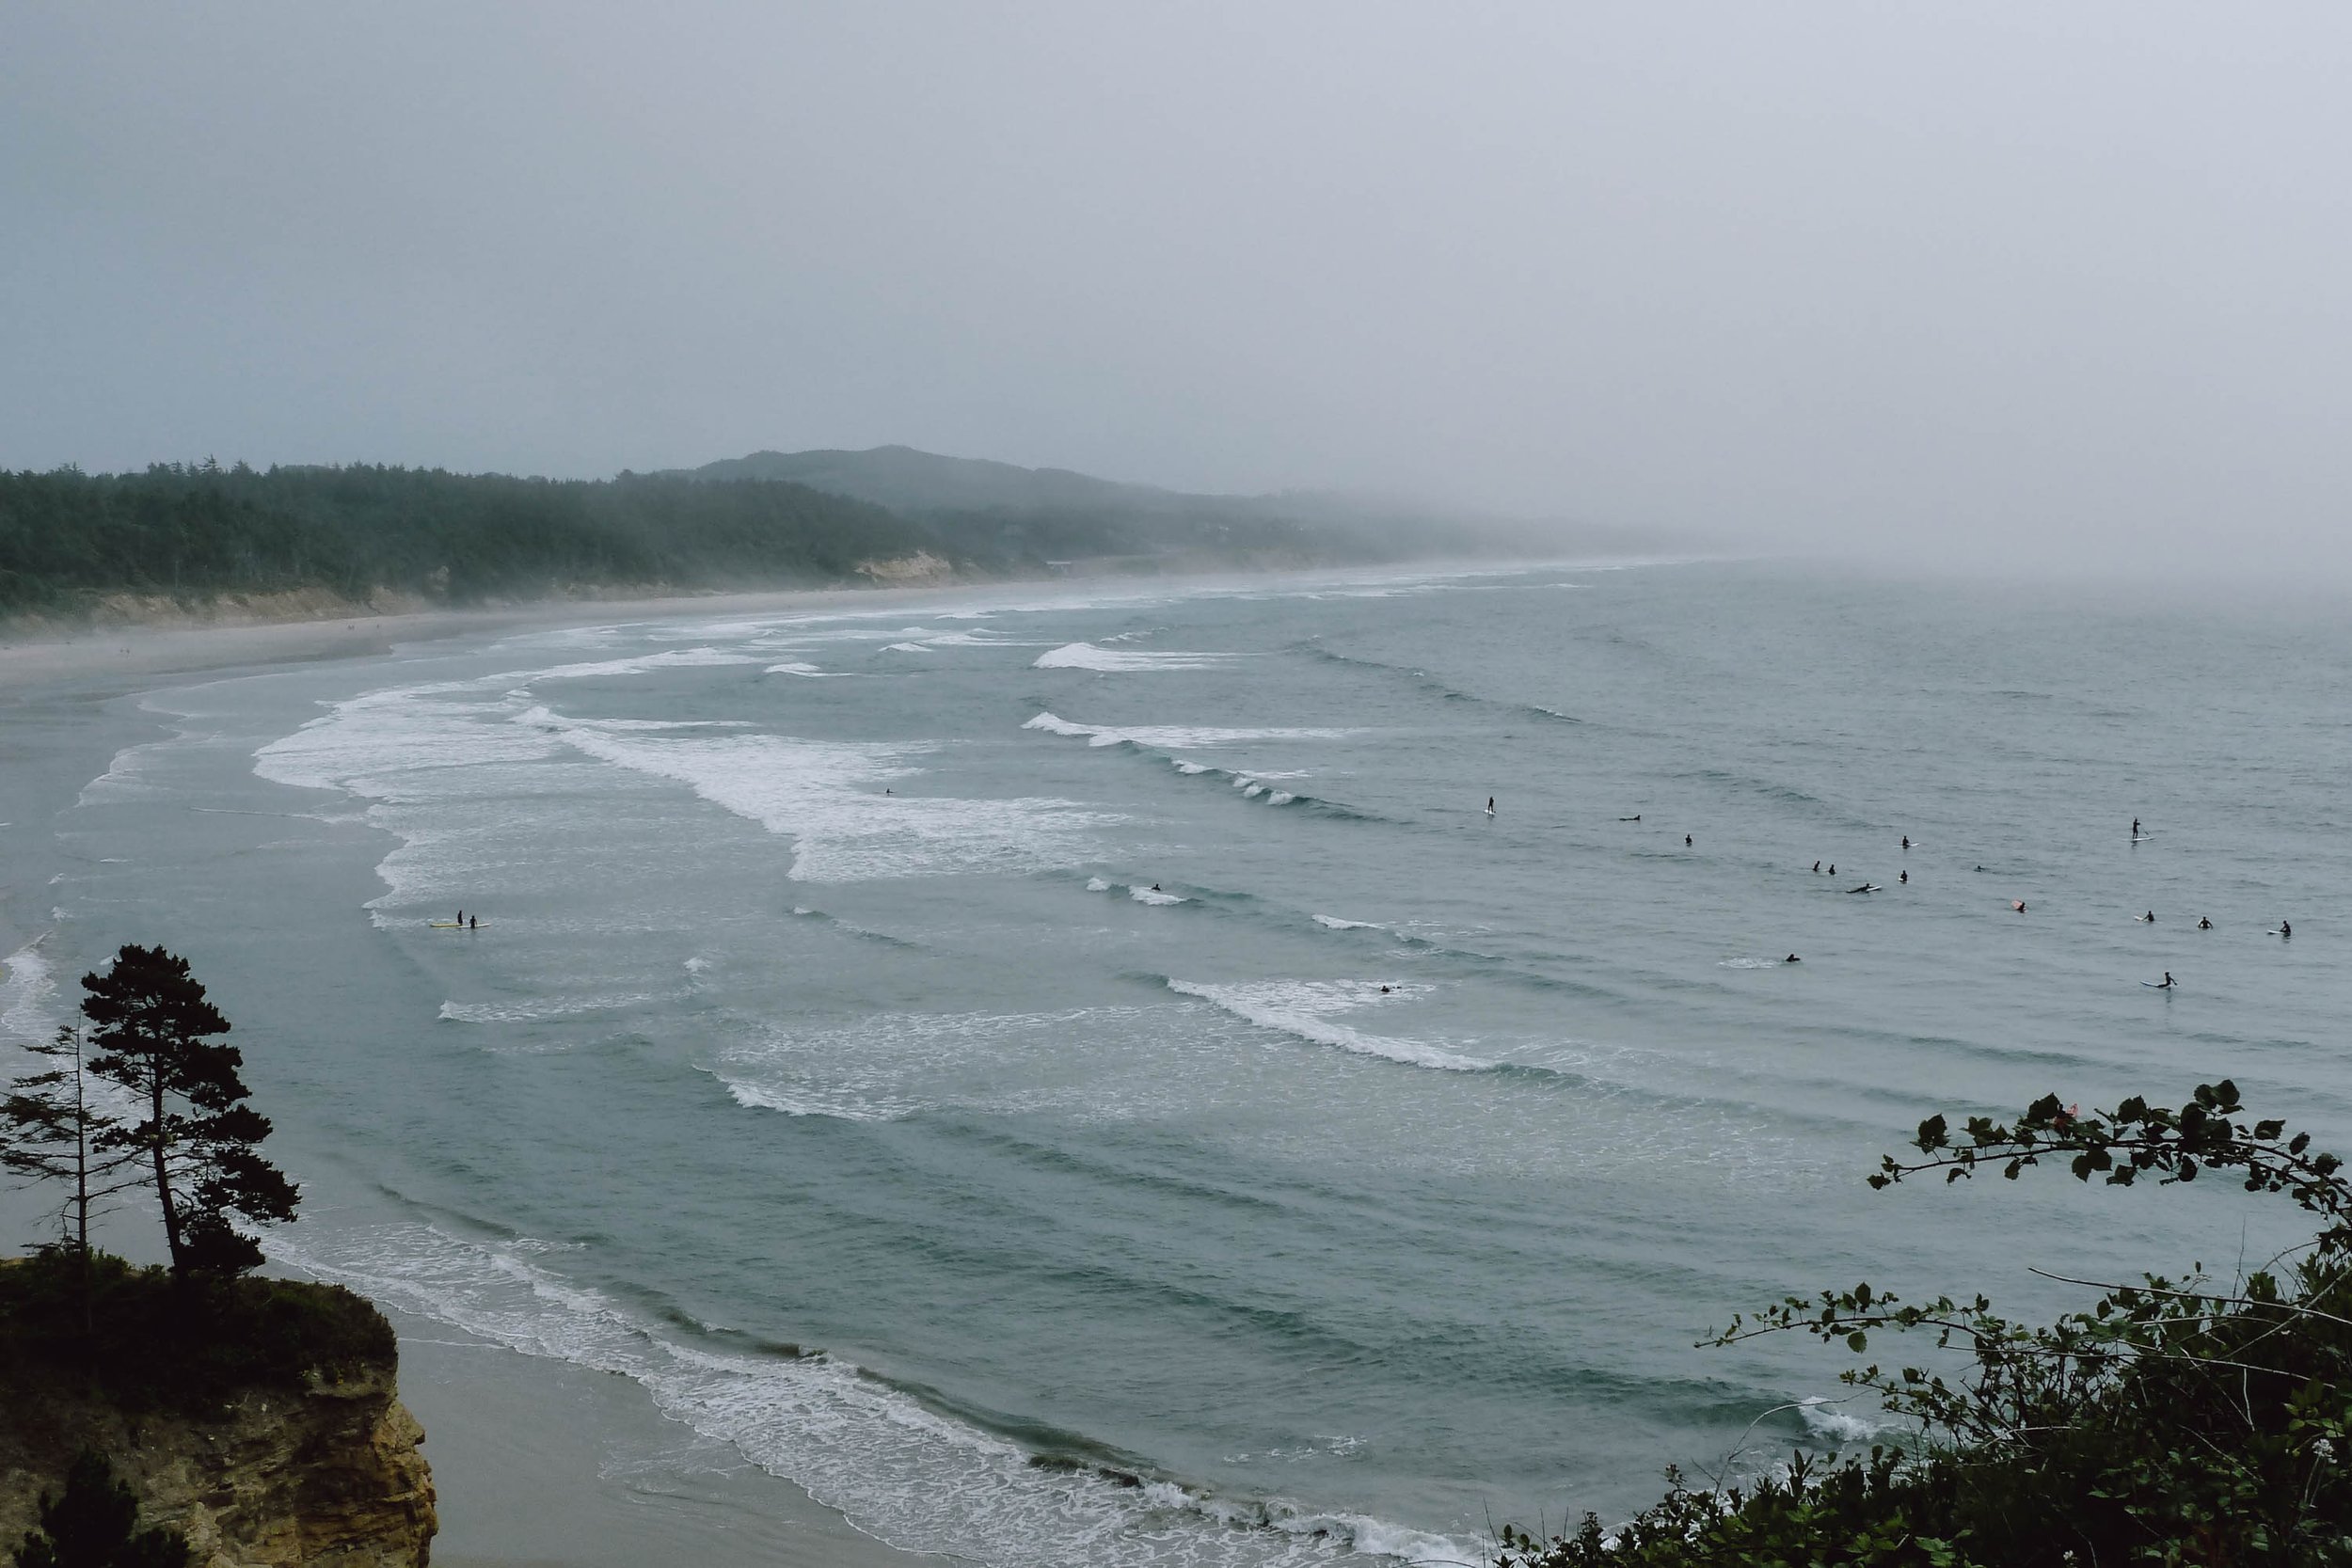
[1994, 282]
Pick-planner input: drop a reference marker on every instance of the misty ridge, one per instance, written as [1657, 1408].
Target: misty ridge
[74, 544]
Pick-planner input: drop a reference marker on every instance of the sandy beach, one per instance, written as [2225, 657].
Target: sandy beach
[106, 659]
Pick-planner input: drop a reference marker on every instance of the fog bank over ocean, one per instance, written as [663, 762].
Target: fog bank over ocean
[2004, 288]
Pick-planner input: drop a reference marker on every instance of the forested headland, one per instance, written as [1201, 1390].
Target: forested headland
[195, 534]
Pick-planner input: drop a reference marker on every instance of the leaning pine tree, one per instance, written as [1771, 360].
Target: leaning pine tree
[199, 1140]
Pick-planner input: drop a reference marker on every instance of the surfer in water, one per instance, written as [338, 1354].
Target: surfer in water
[1491, 805]
[2167, 984]
[2285, 930]
[1792, 959]
[2203, 924]
[1905, 877]
[1816, 869]
[1686, 841]
[476, 926]
[1906, 841]
[2148, 919]
[2017, 904]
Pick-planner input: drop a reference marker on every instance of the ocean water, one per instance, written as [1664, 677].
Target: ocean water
[1075, 1074]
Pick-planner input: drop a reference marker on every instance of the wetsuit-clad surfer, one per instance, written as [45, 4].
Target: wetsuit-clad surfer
[1491, 805]
[1903, 877]
[1792, 959]
[1686, 841]
[1906, 841]
[2168, 981]
[2148, 919]
[2285, 930]
[2203, 924]
[1817, 867]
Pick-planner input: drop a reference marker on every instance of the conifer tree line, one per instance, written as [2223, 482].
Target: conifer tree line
[149, 1098]
[196, 531]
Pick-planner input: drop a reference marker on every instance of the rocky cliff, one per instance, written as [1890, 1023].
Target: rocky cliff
[259, 1417]
[330, 1475]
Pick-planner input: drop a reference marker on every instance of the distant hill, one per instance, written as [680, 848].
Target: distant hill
[905, 479]
[1011, 517]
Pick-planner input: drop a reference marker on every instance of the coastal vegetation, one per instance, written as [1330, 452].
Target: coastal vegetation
[194, 534]
[2173, 1421]
[95, 1524]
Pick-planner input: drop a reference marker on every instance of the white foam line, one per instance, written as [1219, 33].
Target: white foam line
[896, 1468]
[24, 993]
[1087, 655]
[1296, 1008]
[1172, 738]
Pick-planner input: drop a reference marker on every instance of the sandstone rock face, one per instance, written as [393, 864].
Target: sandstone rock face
[328, 1478]
[908, 570]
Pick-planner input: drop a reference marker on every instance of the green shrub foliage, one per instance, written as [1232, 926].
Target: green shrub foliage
[2173, 1421]
[95, 1525]
[142, 1340]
